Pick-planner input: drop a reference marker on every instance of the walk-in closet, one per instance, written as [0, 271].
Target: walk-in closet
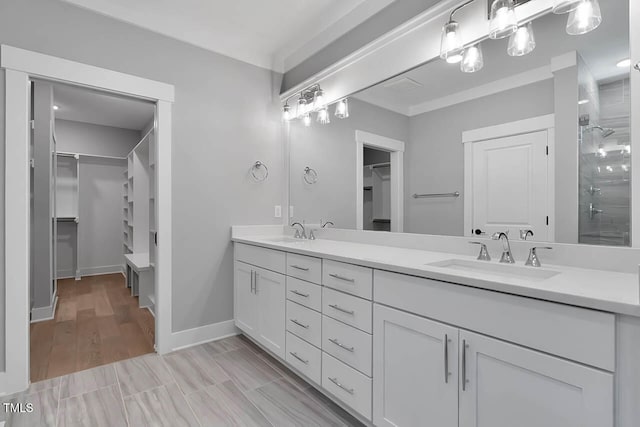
[93, 229]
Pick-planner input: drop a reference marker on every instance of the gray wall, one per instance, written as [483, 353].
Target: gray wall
[384, 21]
[434, 156]
[78, 137]
[225, 117]
[331, 151]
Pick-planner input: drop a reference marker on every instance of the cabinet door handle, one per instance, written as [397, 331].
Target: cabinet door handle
[344, 310]
[336, 382]
[299, 324]
[297, 267]
[339, 277]
[255, 282]
[252, 280]
[446, 359]
[464, 364]
[300, 294]
[339, 344]
[294, 354]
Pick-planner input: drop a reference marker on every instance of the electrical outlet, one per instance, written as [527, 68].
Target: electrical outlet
[277, 212]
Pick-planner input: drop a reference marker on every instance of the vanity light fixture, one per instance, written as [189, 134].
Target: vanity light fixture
[502, 19]
[472, 59]
[342, 109]
[451, 48]
[286, 113]
[306, 119]
[564, 6]
[522, 41]
[323, 116]
[625, 63]
[584, 18]
[302, 106]
[319, 99]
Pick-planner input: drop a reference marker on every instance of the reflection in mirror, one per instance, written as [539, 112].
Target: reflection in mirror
[537, 142]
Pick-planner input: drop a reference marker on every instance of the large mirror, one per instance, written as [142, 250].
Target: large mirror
[537, 142]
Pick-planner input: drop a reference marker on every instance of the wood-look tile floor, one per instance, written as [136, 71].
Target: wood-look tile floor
[97, 322]
[230, 382]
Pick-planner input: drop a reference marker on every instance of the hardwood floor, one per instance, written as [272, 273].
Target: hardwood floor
[97, 322]
[230, 382]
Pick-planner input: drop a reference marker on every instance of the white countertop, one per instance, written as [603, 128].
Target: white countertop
[596, 289]
[139, 261]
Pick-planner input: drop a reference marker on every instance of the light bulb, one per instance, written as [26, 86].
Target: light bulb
[323, 116]
[451, 43]
[503, 21]
[522, 41]
[564, 6]
[306, 119]
[302, 107]
[56, 108]
[319, 102]
[584, 18]
[472, 59]
[342, 109]
[286, 113]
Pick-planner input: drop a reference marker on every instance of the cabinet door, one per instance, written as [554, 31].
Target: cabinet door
[246, 301]
[415, 370]
[271, 291]
[507, 385]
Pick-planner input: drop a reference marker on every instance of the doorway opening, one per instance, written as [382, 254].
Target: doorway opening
[92, 230]
[376, 189]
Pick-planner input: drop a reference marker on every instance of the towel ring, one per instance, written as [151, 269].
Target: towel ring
[259, 171]
[310, 175]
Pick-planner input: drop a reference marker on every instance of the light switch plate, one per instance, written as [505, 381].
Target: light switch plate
[277, 212]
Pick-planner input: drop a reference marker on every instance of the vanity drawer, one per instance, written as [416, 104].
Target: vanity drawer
[304, 267]
[261, 257]
[349, 345]
[304, 357]
[351, 310]
[349, 278]
[305, 323]
[347, 384]
[579, 334]
[305, 293]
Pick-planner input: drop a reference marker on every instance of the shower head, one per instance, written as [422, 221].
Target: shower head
[605, 132]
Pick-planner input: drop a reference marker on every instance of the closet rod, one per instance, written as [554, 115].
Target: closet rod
[143, 138]
[67, 154]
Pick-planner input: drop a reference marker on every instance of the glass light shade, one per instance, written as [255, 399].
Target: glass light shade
[342, 109]
[564, 6]
[319, 101]
[522, 41]
[472, 59]
[323, 116]
[584, 18]
[503, 21]
[286, 113]
[306, 119]
[451, 43]
[302, 107]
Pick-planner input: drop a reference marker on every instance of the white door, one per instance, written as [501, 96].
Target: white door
[506, 385]
[271, 290]
[246, 301]
[510, 189]
[415, 372]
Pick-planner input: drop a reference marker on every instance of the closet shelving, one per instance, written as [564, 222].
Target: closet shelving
[139, 220]
[66, 216]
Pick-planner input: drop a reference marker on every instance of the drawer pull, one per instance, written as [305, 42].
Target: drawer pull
[339, 344]
[339, 277]
[297, 267]
[344, 310]
[306, 362]
[336, 382]
[300, 294]
[299, 324]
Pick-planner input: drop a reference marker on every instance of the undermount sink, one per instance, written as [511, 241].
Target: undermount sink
[504, 270]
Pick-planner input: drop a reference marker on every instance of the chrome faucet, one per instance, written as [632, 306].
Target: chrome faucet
[484, 253]
[299, 234]
[533, 260]
[525, 233]
[506, 254]
[323, 225]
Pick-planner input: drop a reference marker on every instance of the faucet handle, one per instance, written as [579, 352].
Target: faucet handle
[484, 253]
[524, 233]
[297, 235]
[533, 259]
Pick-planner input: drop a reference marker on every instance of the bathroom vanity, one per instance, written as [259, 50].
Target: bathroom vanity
[409, 337]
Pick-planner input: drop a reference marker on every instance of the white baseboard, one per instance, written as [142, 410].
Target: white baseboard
[203, 334]
[97, 271]
[40, 314]
[65, 274]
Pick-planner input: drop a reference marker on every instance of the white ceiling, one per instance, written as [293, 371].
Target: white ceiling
[100, 108]
[274, 34]
[439, 83]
